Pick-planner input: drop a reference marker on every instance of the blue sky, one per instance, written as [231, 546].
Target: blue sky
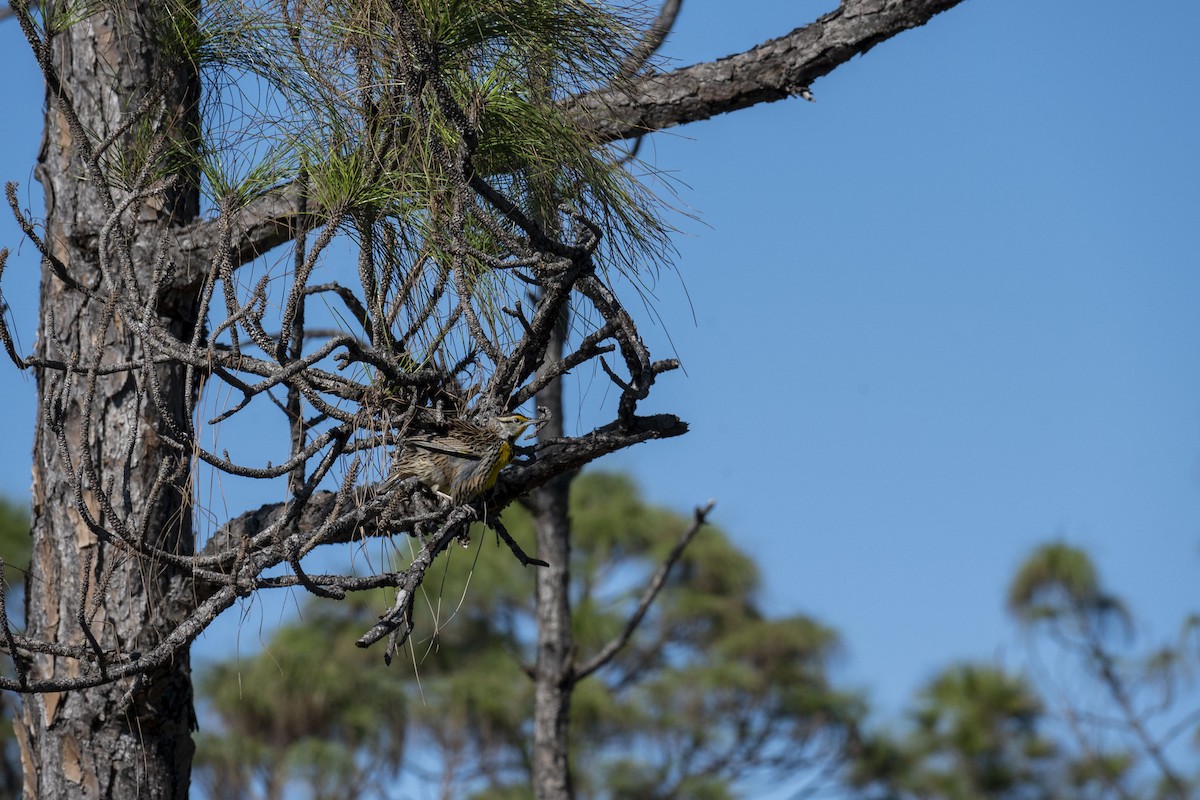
[943, 314]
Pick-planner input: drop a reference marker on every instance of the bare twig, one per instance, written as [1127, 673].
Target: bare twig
[652, 40]
[657, 581]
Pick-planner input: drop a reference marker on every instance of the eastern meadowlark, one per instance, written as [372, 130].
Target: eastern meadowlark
[463, 462]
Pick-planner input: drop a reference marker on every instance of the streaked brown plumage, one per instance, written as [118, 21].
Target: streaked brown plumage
[463, 462]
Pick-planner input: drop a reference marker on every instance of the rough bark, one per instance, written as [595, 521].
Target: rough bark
[774, 70]
[553, 669]
[129, 739]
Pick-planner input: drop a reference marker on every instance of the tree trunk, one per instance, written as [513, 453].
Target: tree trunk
[555, 641]
[128, 739]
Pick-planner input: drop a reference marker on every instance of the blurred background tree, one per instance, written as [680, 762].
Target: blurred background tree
[1098, 713]
[14, 549]
[976, 731]
[709, 696]
[706, 693]
[1120, 695]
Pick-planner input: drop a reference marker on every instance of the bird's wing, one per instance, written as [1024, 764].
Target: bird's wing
[442, 445]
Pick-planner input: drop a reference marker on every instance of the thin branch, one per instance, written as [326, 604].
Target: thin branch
[6, 630]
[1119, 692]
[614, 646]
[399, 618]
[526, 561]
[652, 40]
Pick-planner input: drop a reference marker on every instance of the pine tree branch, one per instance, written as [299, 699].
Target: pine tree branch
[268, 221]
[774, 70]
[249, 530]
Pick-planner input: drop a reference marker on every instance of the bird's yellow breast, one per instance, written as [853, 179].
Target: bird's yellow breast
[506, 454]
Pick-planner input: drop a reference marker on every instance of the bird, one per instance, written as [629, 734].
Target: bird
[465, 461]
